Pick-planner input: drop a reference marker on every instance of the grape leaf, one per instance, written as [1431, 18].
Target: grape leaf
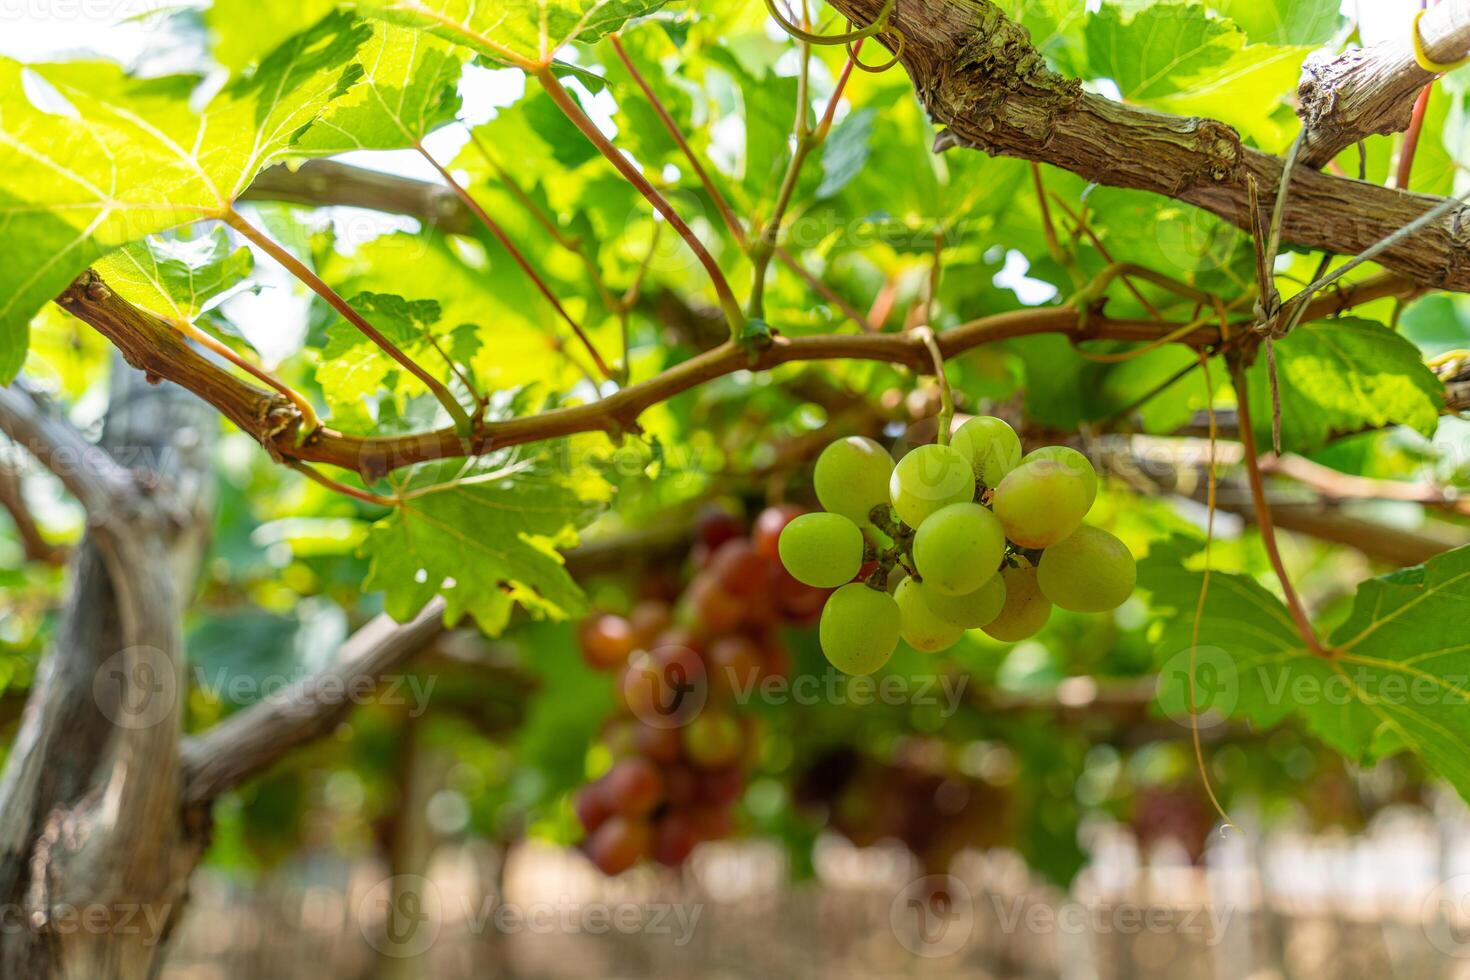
[1397, 678]
[515, 31]
[483, 542]
[1160, 49]
[114, 158]
[354, 368]
[409, 88]
[1284, 21]
[176, 276]
[1340, 376]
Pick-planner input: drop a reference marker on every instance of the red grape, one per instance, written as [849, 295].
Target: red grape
[715, 525]
[722, 787]
[619, 844]
[592, 806]
[738, 568]
[735, 663]
[768, 527]
[607, 641]
[634, 787]
[674, 839]
[649, 618]
[662, 745]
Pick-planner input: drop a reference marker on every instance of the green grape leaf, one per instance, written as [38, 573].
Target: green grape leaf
[1160, 49]
[271, 23]
[354, 368]
[114, 158]
[483, 541]
[846, 152]
[1398, 677]
[1339, 376]
[176, 276]
[410, 87]
[1284, 21]
[515, 31]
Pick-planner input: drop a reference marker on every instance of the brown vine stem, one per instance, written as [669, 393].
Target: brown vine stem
[315, 283]
[150, 344]
[1263, 513]
[309, 421]
[517, 256]
[568, 105]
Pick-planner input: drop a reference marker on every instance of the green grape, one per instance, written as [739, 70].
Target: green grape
[927, 479]
[851, 477]
[821, 550]
[1088, 571]
[920, 626]
[991, 446]
[1041, 502]
[958, 548]
[972, 610]
[1025, 611]
[1072, 461]
[859, 628]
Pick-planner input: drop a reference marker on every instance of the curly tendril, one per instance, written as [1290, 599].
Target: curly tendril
[898, 44]
[880, 24]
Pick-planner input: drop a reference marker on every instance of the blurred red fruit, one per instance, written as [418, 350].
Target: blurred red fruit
[606, 641]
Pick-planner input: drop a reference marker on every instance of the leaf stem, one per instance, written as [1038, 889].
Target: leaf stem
[336, 486]
[575, 247]
[517, 256]
[946, 397]
[315, 283]
[764, 246]
[700, 171]
[568, 105]
[1263, 512]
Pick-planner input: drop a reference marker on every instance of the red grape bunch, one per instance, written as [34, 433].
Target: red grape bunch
[680, 741]
[969, 535]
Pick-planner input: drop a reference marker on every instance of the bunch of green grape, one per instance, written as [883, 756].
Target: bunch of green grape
[968, 535]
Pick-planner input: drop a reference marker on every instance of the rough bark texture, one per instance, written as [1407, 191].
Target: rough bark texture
[92, 845]
[979, 76]
[1371, 91]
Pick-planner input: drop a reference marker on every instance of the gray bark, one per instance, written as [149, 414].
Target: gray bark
[94, 853]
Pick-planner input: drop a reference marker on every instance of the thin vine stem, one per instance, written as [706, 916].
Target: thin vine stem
[1211, 487]
[880, 24]
[722, 205]
[946, 397]
[1263, 513]
[568, 105]
[764, 246]
[309, 421]
[727, 214]
[574, 247]
[336, 486]
[315, 283]
[518, 257]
